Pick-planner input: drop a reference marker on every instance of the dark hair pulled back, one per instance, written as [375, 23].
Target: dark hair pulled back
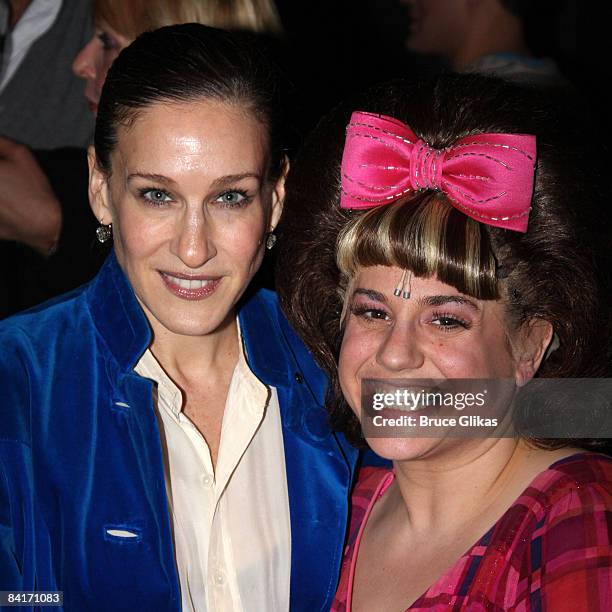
[185, 63]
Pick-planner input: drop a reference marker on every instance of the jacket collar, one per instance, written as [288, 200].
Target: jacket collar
[117, 315]
[264, 341]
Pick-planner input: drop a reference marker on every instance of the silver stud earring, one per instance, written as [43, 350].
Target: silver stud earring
[104, 232]
[270, 240]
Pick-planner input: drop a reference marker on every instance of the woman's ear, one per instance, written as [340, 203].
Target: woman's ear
[98, 190]
[535, 337]
[278, 196]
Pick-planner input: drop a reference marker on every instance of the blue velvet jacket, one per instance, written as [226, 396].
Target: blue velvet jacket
[80, 454]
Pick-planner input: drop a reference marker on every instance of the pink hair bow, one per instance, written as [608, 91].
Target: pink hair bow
[489, 177]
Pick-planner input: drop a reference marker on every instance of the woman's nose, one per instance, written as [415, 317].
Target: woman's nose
[193, 242]
[400, 349]
[84, 63]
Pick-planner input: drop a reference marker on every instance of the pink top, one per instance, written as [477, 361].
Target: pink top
[551, 550]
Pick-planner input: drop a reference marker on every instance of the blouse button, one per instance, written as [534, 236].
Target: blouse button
[298, 378]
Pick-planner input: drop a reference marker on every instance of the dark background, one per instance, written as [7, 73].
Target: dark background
[338, 47]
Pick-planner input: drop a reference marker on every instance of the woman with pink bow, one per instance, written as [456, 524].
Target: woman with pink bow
[432, 239]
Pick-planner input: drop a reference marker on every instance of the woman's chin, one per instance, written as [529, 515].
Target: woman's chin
[418, 448]
[403, 449]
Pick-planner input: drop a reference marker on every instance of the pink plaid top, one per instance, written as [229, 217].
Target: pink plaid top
[550, 551]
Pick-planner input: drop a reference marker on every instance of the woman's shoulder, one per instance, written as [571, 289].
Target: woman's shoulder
[27, 357]
[560, 510]
[32, 341]
[570, 497]
[584, 467]
[44, 318]
[580, 480]
[557, 537]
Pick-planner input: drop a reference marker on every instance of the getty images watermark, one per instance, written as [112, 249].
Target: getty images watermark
[544, 408]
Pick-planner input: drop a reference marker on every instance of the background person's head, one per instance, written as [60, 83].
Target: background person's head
[463, 31]
[544, 276]
[189, 169]
[119, 22]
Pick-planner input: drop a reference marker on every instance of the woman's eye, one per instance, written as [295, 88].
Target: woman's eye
[370, 314]
[155, 196]
[231, 199]
[448, 322]
[107, 42]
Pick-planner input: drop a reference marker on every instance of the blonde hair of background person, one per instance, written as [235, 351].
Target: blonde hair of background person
[119, 22]
[131, 18]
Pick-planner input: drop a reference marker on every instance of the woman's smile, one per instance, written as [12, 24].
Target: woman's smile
[190, 287]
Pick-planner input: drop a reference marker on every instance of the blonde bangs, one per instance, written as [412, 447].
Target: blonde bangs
[426, 235]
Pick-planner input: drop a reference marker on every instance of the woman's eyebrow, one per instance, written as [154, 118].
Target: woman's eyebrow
[440, 300]
[159, 178]
[234, 178]
[370, 293]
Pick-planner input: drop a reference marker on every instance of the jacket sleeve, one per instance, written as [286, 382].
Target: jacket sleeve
[11, 577]
[16, 485]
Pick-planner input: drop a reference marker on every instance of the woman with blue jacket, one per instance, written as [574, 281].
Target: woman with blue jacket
[163, 444]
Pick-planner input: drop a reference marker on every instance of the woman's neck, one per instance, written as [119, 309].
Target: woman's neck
[186, 357]
[482, 480]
